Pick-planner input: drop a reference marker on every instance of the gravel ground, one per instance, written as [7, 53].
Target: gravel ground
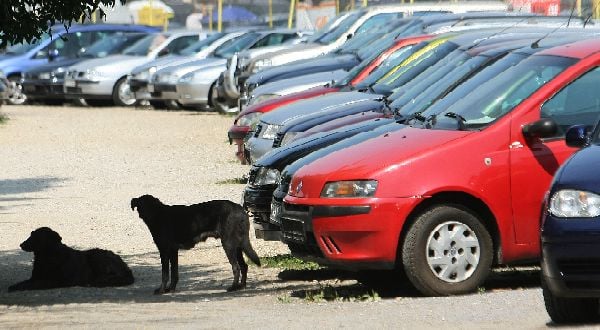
[76, 170]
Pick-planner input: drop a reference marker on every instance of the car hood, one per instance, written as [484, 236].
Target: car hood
[107, 64]
[162, 62]
[580, 171]
[323, 103]
[194, 65]
[374, 158]
[300, 83]
[55, 65]
[296, 52]
[296, 68]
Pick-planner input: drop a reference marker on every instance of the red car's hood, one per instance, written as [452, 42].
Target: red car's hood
[374, 158]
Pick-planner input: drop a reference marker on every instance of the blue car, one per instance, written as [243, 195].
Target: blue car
[570, 234]
[20, 57]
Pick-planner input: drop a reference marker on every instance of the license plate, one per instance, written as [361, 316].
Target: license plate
[150, 88]
[275, 212]
[70, 83]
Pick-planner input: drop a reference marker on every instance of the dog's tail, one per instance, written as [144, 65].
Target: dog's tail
[249, 251]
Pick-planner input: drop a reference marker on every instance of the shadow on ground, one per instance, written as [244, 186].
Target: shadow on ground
[27, 185]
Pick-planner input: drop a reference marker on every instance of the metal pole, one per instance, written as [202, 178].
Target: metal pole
[210, 20]
[220, 14]
[337, 7]
[365, 3]
[291, 16]
[271, 14]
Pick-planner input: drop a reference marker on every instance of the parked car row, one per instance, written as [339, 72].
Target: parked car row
[431, 154]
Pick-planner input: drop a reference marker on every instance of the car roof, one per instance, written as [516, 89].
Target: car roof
[578, 49]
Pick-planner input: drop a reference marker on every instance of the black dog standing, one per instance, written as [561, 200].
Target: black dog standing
[175, 227]
[56, 265]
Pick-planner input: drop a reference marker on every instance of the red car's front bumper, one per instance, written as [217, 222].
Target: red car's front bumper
[353, 234]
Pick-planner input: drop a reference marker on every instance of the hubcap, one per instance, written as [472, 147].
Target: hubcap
[125, 94]
[453, 251]
[15, 94]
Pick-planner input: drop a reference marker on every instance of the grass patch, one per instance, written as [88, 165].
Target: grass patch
[3, 118]
[346, 293]
[288, 262]
[242, 180]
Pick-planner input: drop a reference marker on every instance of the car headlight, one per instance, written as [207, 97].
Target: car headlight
[250, 119]
[267, 176]
[358, 188]
[169, 78]
[574, 204]
[44, 75]
[288, 137]
[262, 98]
[270, 131]
[261, 64]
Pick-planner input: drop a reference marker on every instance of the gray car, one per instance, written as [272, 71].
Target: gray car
[104, 80]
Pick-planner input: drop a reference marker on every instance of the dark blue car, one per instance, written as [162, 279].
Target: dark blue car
[570, 234]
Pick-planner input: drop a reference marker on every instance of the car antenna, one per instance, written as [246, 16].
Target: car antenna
[589, 17]
[536, 43]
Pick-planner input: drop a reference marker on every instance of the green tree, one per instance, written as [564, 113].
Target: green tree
[25, 20]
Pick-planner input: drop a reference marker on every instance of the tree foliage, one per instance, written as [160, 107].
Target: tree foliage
[25, 20]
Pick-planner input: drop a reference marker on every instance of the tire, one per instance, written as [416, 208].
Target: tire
[122, 95]
[219, 104]
[79, 102]
[172, 105]
[570, 310]
[439, 264]
[15, 94]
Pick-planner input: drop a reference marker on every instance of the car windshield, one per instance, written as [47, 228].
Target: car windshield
[431, 75]
[22, 48]
[111, 45]
[498, 96]
[391, 62]
[339, 30]
[201, 45]
[232, 46]
[331, 24]
[145, 45]
[414, 65]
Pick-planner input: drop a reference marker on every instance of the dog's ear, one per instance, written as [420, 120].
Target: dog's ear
[134, 203]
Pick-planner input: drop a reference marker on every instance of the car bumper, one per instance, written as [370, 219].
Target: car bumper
[93, 89]
[163, 91]
[355, 234]
[571, 257]
[43, 89]
[238, 133]
[257, 147]
[140, 89]
[193, 93]
[257, 200]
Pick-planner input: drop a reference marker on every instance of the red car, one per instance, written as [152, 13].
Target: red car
[455, 193]
[249, 116]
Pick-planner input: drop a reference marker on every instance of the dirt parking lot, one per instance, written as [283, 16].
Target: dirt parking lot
[76, 170]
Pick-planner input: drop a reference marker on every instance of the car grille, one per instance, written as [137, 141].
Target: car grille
[278, 139]
[292, 230]
[580, 273]
[252, 175]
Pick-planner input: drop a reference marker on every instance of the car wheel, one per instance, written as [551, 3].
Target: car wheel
[79, 102]
[15, 91]
[122, 94]
[172, 105]
[447, 251]
[219, 104]
[570, 310]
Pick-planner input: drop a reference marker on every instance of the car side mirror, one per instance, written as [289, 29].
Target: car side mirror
[163, 52]
[53, 54]
[542, 128]
[577, 136]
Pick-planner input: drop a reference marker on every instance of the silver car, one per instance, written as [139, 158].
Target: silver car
[140, 77]
[104, 80]
[179, 83]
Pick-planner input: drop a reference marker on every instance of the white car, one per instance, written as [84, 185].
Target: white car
[104, 80]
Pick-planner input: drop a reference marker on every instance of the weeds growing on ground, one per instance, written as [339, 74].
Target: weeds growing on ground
[288, 262]
[3, 118]
[346, 293]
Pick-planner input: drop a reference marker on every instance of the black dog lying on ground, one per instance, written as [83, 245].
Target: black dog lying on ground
[175, 227]
[56, 265]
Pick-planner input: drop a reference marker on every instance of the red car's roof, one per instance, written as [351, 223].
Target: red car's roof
[577, 49]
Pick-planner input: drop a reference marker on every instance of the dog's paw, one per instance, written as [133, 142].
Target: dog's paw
[234, 287]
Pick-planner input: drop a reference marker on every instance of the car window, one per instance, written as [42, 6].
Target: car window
[230, 47]
[144, 46]
[339, 30]
[576, 104]
[67, 46]
[377, 21]
[269, 40]
[197, 46]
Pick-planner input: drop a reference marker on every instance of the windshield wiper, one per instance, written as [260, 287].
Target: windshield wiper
[417, 115]
[460, 120]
